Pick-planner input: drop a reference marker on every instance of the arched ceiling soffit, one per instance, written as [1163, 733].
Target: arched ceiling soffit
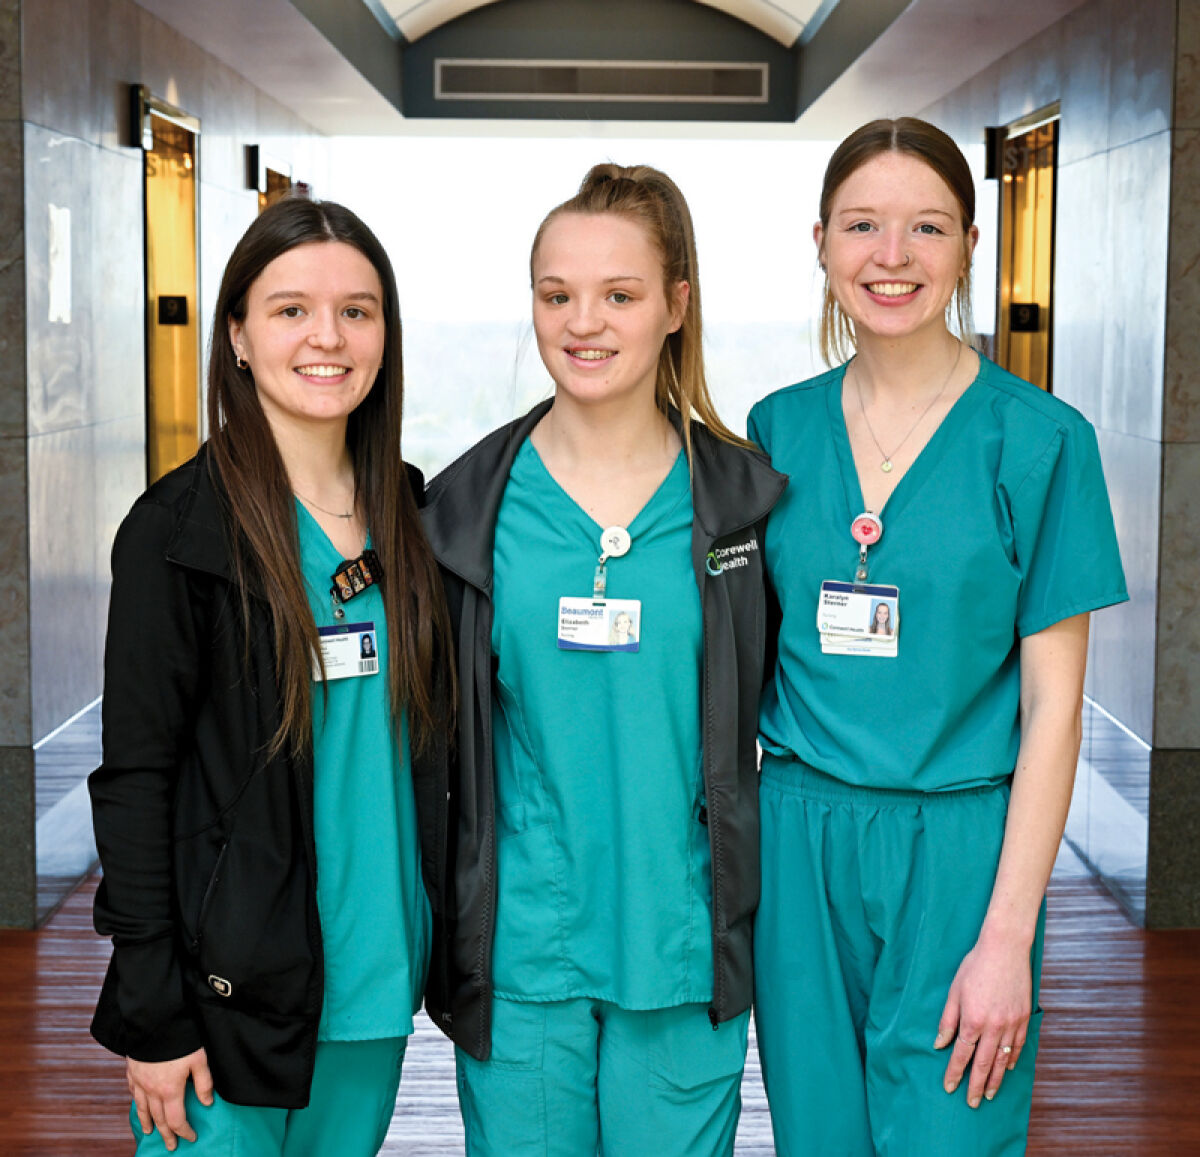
[782, 20]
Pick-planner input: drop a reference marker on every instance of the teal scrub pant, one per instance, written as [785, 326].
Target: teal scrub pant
[870, 901]
[350, 1106]
[577, 1078]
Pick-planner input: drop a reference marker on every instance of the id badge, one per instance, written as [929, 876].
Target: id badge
[599, 624]
[859, 619]
[348, 650]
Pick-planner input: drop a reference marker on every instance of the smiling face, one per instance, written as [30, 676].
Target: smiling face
[894, 247]
[883, 615]
[313, 333]
[600, 309]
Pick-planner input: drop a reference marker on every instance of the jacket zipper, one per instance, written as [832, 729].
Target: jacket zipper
[718, 871]
[210, 888]
[711, 809]
[443, 855]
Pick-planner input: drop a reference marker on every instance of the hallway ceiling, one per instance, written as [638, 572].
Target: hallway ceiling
[931, 48]
[782, 20]
[275, 47]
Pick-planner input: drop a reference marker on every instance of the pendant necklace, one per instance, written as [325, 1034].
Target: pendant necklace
[886, 464]
[331, 513]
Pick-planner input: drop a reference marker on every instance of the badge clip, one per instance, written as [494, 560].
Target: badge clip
[614, 542]
[353, 577]
[866, 530]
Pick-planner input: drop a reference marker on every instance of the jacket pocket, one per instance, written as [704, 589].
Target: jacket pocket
[213, 880]
[198, 861]
[254, 949]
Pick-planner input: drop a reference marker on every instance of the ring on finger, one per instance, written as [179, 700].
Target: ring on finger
[1006, 1049]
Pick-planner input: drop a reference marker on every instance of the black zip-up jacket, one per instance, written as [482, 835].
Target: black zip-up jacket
[209, 888]
[733, 489]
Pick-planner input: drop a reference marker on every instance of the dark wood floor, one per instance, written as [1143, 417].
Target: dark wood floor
[1118, 1072]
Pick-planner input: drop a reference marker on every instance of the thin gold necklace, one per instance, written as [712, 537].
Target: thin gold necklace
[331, 513]
[886, 464]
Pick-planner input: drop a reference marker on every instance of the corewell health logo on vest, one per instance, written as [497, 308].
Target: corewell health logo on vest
[723, 558]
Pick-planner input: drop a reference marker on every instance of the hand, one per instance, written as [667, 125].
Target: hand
[988, 1008]
[158, 1088]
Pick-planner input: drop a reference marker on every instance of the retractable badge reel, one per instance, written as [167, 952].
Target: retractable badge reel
[349, 649]
[353, 577]
[614, 542]
[859, 618]
[866, 530]
[600, 623]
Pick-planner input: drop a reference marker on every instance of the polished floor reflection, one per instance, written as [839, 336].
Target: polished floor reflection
[66, 847]
[1110, 808]
[1119, 1064]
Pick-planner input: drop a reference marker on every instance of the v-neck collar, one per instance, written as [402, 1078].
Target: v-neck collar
[653, 509]
[316, 533]
[321, 536]
[924, 463]
[731, 488]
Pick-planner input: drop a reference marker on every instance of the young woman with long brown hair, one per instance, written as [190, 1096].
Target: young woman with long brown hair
[601, 558]
[898, 943]
[255, 810]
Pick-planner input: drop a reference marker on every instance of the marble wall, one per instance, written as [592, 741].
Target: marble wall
[72, 377]
[1178, 721]
[1127, 295]
[16, 758]
[1109, 64]
[1174, 869]
[86, 390]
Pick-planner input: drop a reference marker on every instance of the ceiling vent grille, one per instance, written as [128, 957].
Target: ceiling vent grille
[672, 82]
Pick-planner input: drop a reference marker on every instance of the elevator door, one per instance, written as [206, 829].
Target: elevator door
[278, 185]
[1024, 330]
[172, 330]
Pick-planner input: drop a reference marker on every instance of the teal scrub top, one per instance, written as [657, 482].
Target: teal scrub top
[1000, 528]
[604, 870]
[375, 919]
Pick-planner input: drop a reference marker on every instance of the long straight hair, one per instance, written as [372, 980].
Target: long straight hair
[915, 138]
[651, 199]
[257, 492]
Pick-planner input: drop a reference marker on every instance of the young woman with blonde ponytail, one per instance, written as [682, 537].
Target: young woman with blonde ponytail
[602, 565]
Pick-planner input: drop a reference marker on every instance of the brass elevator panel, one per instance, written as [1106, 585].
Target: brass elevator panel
[172, 323]
[1024, 333]
[279, 184]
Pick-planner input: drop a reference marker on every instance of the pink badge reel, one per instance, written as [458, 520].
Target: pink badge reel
[867, 529]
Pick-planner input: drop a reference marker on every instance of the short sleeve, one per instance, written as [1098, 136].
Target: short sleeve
[1066, 544]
